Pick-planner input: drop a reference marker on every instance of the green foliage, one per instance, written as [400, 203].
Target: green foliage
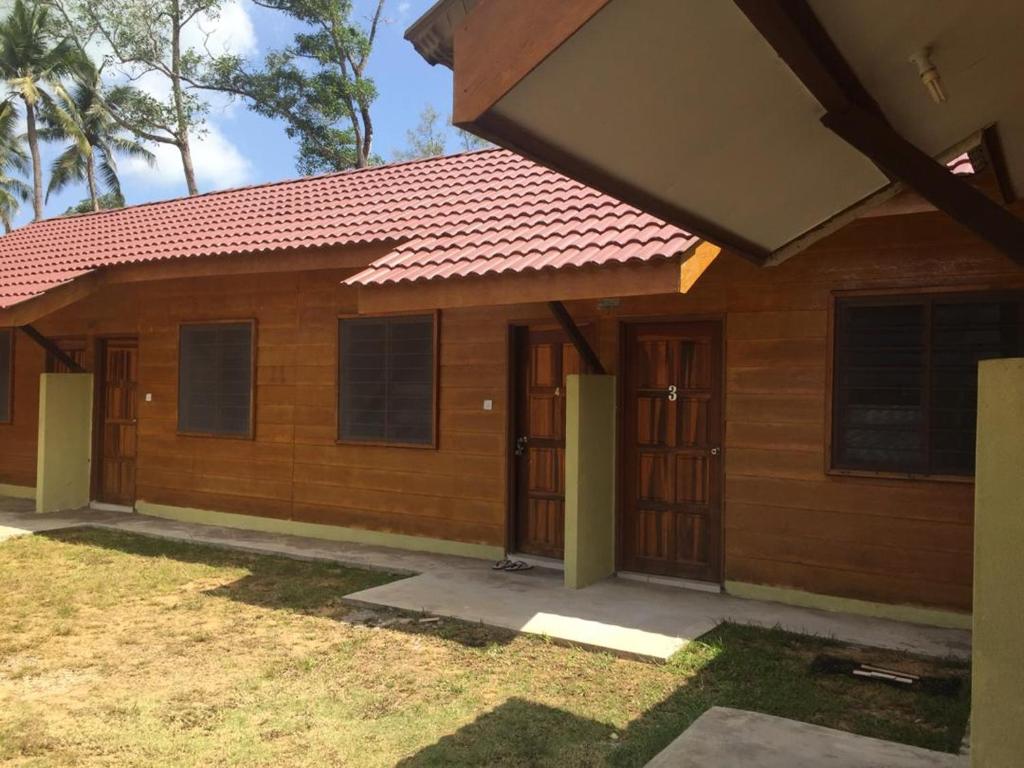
[106, 202]
[144, 37]
[13, 191]
[427, 139]
[317, 85]
[469, 142]
[83, 118]
[34, 56]
[430, 138]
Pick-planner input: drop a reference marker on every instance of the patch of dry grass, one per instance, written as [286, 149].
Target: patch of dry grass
[122, 650]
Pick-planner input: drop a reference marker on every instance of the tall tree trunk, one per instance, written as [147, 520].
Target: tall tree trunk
[179, 101]
[37, 166]
[186, 163]
[90, 177]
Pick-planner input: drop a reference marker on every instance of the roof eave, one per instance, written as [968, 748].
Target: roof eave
[432, 33]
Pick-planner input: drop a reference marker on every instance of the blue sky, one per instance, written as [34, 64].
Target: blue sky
[240, 147]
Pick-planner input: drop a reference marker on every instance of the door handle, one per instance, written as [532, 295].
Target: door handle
[521, 445]
[715, 451]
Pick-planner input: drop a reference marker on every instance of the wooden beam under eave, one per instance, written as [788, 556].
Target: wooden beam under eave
[49, 346]
[587, 354]
[501, 41]
[932, 180]
[673, 275]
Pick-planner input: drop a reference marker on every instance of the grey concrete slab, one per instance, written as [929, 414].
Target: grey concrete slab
[623, 616]
[734, 738]
[641, 619]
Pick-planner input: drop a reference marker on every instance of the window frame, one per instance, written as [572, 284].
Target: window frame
[9, 420]
[251, 433]
[435, 422]
[882, 297]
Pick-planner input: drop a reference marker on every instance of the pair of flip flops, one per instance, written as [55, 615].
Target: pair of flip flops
[511, 565]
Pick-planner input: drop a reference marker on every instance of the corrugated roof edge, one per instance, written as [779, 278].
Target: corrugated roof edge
[361, 279]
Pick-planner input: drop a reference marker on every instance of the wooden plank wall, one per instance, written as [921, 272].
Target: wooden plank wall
[787, 521]
[293, 469]
[18, 439]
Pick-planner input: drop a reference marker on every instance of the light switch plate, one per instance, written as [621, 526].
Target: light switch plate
[488, 405]
[149, 397]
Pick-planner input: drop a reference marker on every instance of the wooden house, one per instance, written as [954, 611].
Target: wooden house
[388, 356]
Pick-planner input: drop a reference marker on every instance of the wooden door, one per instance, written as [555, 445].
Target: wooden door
[118, 422]
[545, 359]
[672, 495]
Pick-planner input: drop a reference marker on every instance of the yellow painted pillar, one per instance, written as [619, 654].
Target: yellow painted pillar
[997, 702]
[589, 479]
[65, 441]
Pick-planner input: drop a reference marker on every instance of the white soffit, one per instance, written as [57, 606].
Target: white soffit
[685, 100]
[978, 47]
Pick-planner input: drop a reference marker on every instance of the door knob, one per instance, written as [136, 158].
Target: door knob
[521, 445]
[715, 451]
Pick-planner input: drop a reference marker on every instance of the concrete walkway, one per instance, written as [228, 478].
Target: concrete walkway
[734, 738]
[627, 617]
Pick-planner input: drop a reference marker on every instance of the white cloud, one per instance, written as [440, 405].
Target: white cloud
[229, 31]
[217, 162]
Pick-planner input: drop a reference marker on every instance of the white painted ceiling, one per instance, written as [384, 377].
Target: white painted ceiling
[685, 99]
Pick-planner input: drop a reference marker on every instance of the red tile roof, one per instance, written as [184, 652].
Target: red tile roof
[475, 213]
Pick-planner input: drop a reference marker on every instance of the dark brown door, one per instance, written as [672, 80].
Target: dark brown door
[545, 359]
[671, 515]
[118, 422]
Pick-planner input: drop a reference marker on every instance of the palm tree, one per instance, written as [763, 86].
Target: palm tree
[82, 117]
[33, 58]
[13, 191]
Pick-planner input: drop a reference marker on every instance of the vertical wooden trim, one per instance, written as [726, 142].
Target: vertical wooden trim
[511, 368]
[514, 340]
[721, 353]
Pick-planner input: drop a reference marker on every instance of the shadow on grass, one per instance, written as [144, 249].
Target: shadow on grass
[308, 587]
[517, 733]
[741, 667]
[749, 668]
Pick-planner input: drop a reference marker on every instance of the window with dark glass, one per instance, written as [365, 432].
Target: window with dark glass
[215, 372]
[386, 379]
[906, 379]
[6, 373]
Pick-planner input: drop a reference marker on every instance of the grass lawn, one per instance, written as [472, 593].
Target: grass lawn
[123, 650]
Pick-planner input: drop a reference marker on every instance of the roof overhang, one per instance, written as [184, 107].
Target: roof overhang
[758, 124]
[350, 258]
[676, 274]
